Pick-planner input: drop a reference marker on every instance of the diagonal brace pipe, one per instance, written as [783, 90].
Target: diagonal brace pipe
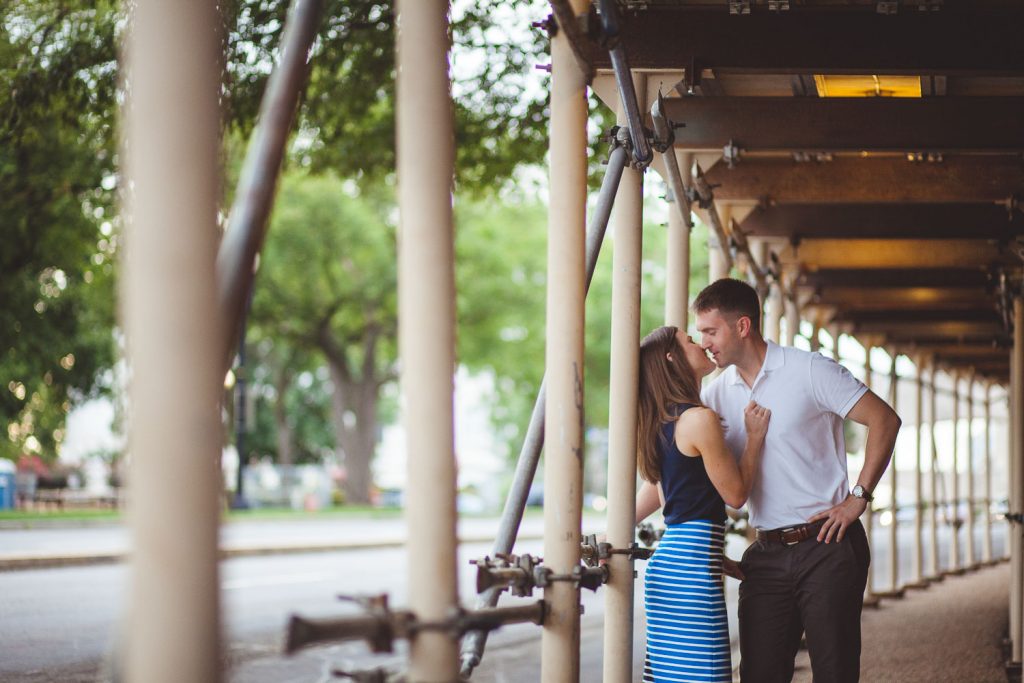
[707, 201]
[624, 79]
[664, 138]
[247, 224]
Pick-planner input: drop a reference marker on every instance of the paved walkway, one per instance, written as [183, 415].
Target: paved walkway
[951, 631]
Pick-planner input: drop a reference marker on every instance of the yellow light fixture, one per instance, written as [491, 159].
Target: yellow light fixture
[868, 86]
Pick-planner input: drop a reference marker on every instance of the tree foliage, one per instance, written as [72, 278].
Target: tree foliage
[58, 161]
[57, 144]
[348, 114]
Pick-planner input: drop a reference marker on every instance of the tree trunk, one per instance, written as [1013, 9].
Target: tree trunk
[354, 409]
[285, 441]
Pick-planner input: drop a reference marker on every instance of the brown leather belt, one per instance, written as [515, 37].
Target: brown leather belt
[790, 535]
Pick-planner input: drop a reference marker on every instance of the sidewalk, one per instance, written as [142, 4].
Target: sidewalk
[54, 546]
[951, 631]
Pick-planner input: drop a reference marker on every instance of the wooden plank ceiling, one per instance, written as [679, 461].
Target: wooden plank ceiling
[896, 216]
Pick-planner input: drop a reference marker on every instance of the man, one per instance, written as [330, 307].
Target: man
[806, 571]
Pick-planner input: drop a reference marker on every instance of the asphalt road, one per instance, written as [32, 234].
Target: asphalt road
[60, 624]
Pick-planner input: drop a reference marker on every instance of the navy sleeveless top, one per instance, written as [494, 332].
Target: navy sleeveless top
[689, 493]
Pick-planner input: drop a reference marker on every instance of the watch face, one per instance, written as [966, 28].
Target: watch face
[859, 492]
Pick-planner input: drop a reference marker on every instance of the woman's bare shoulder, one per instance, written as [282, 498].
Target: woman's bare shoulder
[694, 428]
[699, 415]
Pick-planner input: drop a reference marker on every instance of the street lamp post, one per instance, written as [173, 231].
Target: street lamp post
[239, 501]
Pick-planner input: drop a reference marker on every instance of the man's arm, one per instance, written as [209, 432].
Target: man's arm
[883, 425]
[648, 500]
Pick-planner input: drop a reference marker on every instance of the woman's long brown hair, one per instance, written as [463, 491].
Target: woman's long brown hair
[664, 384]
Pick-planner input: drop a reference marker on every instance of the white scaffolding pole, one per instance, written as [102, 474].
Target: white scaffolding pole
[870, 598]
[172, 145]
[1015, 469]
[918, 564]
[773, 312]
[718, 258]
[628, 217]
[677, 277]
[986, 540]
[563, 448]
[426, 298]
[934, 569]
[954, 493]
[792, 315]
[970, 561]
[894, 565]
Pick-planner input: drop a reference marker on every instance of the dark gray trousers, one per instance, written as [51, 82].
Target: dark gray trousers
[813, 588]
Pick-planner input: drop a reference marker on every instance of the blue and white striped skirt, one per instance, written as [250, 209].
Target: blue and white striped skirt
[687, 627]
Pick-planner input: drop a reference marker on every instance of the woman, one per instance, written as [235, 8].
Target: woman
[681, 449]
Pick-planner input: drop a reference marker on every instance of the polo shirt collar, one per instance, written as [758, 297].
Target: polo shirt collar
[774, 358]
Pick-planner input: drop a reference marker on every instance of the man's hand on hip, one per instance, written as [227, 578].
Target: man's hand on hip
[838, 518]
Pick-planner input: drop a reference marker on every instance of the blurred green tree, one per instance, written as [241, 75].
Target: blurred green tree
[326, 286]
[57, 176]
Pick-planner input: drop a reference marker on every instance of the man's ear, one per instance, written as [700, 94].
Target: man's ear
[743, 326]
[670, 358]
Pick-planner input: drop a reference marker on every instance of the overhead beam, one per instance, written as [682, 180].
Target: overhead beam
[908, 331]
[926, 341]
[872, 179]
[895, 253]
[980, 360]
[950, 42]
[901, 298]
[979, 316]
[916, 221]
[876, 277]
[982, 349]
[844, 124]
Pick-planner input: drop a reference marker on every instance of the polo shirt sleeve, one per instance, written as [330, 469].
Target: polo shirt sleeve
[835, 388]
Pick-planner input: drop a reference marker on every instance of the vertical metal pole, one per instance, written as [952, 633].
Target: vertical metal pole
[563, 461]
[954, 495]
[625, 366]
[918, 564]
[970, 561]
[869, 514]
[773, 314]
[1014, 528]
[792, 312]
[426, 315]
[935, 571]
[241, 427]
[677, 279]
[172, 143]
[533, 442]
[718, 264]
[894, 565]
[986, 540]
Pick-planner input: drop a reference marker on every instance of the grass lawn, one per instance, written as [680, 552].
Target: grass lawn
[108, 515]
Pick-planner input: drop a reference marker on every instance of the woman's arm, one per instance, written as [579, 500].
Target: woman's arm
[702, 429]
[648, 500]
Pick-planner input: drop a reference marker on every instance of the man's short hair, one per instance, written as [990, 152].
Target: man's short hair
[730, 297]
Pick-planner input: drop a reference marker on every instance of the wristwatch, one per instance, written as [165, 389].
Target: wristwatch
[861, 492]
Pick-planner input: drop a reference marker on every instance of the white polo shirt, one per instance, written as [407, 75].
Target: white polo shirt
[803, 467]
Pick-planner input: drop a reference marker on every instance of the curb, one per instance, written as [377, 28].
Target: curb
[23, 561]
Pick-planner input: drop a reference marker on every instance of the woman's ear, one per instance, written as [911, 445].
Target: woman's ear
[670, 358]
